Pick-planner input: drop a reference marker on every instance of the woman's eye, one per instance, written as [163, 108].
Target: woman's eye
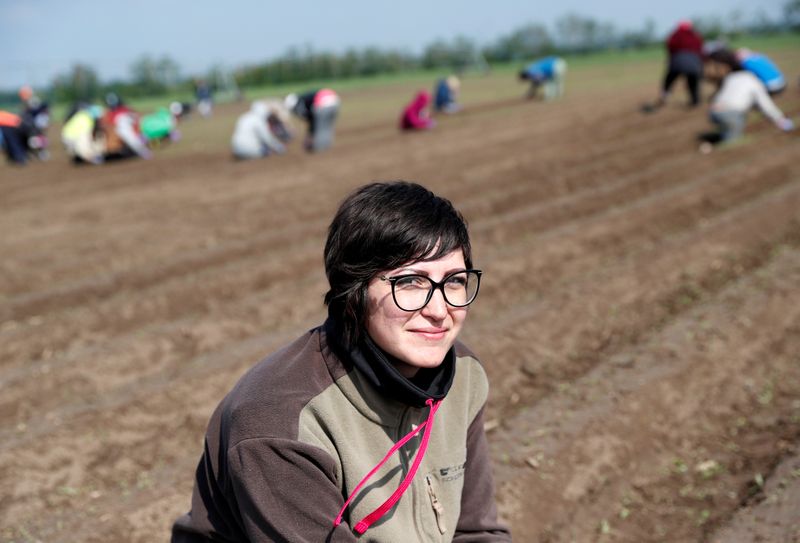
[457, 281]
[412, 281]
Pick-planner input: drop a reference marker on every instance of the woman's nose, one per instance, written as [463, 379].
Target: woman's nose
[436, 306]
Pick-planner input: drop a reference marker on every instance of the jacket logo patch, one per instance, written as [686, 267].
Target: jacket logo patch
[451, 473]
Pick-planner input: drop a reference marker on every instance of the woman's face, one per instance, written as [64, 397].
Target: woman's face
[419, 339]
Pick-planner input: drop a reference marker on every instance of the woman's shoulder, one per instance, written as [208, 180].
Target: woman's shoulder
[463, 350]
[268, 399]
[470, 381]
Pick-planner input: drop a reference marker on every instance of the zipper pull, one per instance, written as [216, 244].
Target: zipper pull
[438, 508]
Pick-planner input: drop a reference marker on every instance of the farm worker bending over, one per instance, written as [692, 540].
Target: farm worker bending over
[548, 74]
[27, 131]
[744, 59]
[160, 125]
[416, 115]
[374, 420]
[446, 95]
[82, 137]
[319, 109]
[739, 93]
[763, 68]
[20, 137]
[261, 131]
[121, 125]
[13, 137]
[685, 59]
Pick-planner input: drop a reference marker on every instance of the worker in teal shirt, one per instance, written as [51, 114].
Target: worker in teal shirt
[763, 68]
[159, 125]
[548, 74]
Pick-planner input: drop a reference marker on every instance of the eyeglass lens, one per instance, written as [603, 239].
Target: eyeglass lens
[412, 292]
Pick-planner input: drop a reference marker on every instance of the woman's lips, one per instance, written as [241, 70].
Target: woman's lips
[430, 333]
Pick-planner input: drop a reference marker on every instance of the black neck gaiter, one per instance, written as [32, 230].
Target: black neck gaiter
[379, 368]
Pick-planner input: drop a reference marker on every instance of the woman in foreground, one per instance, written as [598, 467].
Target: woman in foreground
[371, 423]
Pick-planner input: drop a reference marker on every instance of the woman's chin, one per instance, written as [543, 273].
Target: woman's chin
[426, 358]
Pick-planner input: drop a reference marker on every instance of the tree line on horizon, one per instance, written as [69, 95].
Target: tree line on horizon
[573, 34]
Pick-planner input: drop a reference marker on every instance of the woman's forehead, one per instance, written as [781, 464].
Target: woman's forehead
[452, 260]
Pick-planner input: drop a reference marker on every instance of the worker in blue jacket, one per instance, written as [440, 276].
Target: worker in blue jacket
[445, 96]
[763, 68]
[546, 74]
[759, 64]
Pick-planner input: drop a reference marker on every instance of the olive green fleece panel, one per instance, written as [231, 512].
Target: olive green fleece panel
[356, 427]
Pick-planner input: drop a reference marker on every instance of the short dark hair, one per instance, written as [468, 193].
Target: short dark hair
[378, 227]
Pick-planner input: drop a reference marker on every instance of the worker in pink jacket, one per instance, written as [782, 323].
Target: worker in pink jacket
[416, 115]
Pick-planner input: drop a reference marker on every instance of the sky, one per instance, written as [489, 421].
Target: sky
[42, 38]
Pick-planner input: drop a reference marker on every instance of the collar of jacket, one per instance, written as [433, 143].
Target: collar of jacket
[376, 366]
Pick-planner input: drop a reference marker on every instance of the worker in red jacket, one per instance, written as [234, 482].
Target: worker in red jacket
[685, 59]
[123, 134]
[416, 115]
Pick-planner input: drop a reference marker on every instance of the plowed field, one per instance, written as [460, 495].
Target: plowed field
[639, 317]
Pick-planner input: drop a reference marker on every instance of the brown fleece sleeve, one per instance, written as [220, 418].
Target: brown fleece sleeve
[478, 521]
[286, 491]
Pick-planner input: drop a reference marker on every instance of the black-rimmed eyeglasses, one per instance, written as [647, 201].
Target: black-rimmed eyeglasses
[413, 292]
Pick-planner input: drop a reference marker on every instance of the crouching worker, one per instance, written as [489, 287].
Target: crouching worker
[446, 95]
[416, 115]
[373, 421]
[21, 138]
[82, 136]
[161, 125]
[123, 134]
[744, 59]
[319, 109]
[740, 91]
[12, 138]
[763, 68]
[546, 74]
[261, 131]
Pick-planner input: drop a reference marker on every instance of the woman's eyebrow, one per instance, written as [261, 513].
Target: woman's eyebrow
[414, 271]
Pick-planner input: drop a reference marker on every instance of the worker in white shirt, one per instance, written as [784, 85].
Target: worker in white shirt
[261, 131]
[740, 92]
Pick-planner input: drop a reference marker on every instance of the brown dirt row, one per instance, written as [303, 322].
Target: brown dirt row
[664, 440]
